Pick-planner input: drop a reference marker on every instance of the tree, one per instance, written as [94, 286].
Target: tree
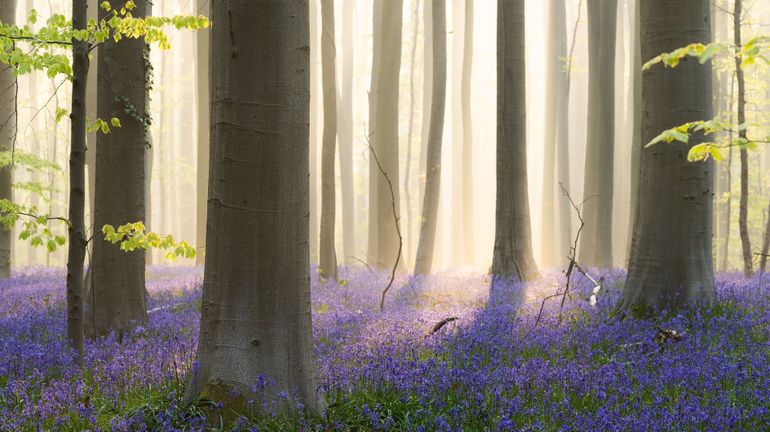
[327, 253]
[345, 132]
[255, 316]
[765, 244]
[383, 131]
[203, 107]
[117, 300]
[512, 255]
[743, 206]
[555, 249]
[466, 186]
[636, 121]
[596, 241]
[670, 265]
[410, 133]
[427, 241]
[7, 137]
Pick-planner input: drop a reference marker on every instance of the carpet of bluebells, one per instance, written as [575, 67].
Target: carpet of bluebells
[582, 368]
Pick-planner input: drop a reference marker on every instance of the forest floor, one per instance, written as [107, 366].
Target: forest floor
[490, 369]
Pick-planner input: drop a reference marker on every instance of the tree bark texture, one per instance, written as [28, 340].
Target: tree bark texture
[117, 299]
[512, 254]
[327, 252]
[202, 40]
[671, 264]
[256, 292]
[7, 138]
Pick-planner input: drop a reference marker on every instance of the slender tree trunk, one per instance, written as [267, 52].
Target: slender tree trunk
[512, 255]
[327, 253]
[203, 7]
[743, 208]
[409, 230]
[553, 253]
[427, 242]
[256, 294]
[468, 239]
[7, 137]
[765, 244]
[315, 108]
[77, 235]
[636, 105]
[383, 131]
[596, 241]
[345, 132]
[117, 301]
[671, 263]
[427, 95]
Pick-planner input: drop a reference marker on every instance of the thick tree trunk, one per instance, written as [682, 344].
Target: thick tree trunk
[671, 263]
[596, 240]
[383, 131]
[427, 242]
[327, 253]
[512, 255]
[77, 230]
[117, 302]
[468, 238]
[556, 106]
[256, 294]
[203, 7]
[743, 207]
[721, 97]
[409, 229]
[427, 95]
[345, 132]
[7, 136]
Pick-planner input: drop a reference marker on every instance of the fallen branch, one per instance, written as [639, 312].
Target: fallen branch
[442, 323]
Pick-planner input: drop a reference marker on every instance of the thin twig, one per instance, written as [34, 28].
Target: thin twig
[398, 227]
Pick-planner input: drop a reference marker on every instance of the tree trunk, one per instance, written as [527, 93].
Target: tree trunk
[636, 105]
[743, 207]
[409, 230]
[202, 36]
[7, 136]
[427, 96]
[383, 131]
[671, 263]
[427, 242]
[765, 244]
[345, 132]
[315, 108]
[553, 252]
[327, 253]
[596, 240]
[468, 237]
[255, 317]
[512, 255]
[77, 230]
[117, 301]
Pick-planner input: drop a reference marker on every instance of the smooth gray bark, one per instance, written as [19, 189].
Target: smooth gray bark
[7, 137]
[512, 255]
[595, 248]
[117, 297]
[427, 241]
[327, 252]
[671, 263]
[345, 132]
[203, 7]
[383, 132]
[554, 252]
[315, 107]
[77, 199]
[636, 121]
[255, 316]
[427, 95]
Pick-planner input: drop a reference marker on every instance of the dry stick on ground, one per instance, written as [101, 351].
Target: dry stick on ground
[398, 226]
[573, 265]
[442, 323]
